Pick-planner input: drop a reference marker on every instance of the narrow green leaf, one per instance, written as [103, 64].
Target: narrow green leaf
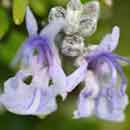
[19, 8]
[60, 2]
[40, 7]
[4, 22]
[84, 1]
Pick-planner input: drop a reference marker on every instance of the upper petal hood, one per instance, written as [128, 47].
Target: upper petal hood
[31, 22]
[110, 41]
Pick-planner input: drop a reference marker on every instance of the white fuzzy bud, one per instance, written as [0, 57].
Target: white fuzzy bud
[74, 10]
[89, 19]
[72, 45]
[74, 5]
[88, 26]
[82, 19]
[56, 12]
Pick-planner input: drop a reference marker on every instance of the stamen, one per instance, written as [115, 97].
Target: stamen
[122, 58]
[124, 80]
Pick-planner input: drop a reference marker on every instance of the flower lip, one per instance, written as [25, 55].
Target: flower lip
[112, 59]
[42, 46]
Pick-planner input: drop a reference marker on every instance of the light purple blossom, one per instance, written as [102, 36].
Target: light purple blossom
[41, 62]
[42, 67]
[105, 83]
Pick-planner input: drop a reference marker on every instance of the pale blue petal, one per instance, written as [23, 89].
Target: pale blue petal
[53, 28]
[31, 22]
[56, 54]
[76, 77]
[19, 99]
[117, 101]
[91, 84]
[23, 99]
[85, 109]
[58, 78]
[47, 102]
[103, 111]
[86, 101]
[41, 77]
[85, 105]
[15, 82]
[110, 41]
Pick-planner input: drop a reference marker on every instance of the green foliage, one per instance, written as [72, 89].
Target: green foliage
[84, 1]
[59, 2]
[19, 8]
[4, 22]
[39, 7]
[10, 45]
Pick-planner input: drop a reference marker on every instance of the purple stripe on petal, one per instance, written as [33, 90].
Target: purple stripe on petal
[33, 98]
[119, 68]
[47, 55]
[124, 80]
[87, 94]
[47, 103]
[53, 28]
[31, 22]
[110, 41]
[42, 101]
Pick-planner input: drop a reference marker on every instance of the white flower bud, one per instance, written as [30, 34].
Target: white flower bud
[72, 45]
[72, 22]
[89, 19]
[88, 26]
[74, 5]
[82, 19]
[74, 10]
[92, 8]
[56, 12]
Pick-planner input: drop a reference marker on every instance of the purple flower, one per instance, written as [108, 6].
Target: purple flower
[105, 83]
[33, 90]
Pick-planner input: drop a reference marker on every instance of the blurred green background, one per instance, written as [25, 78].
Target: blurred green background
[13, 33]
